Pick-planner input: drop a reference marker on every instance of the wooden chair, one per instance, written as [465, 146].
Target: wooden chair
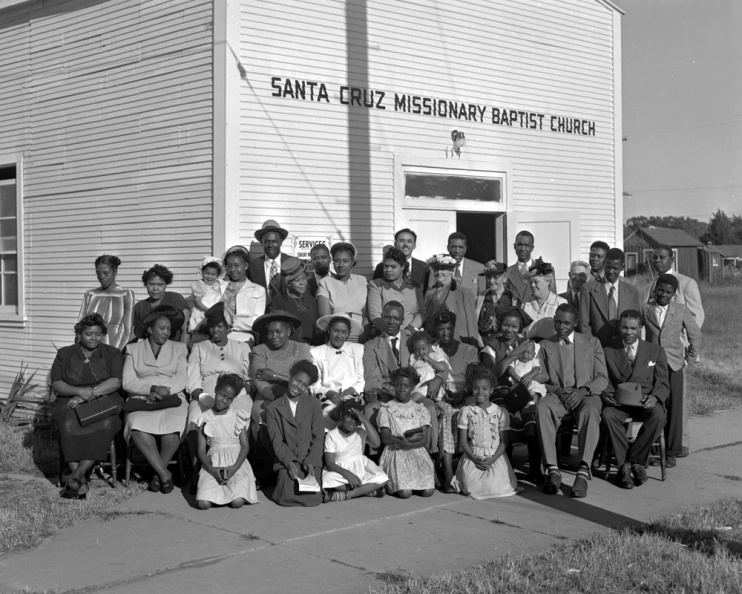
[179, 461]
[111, 463]
[632, 429]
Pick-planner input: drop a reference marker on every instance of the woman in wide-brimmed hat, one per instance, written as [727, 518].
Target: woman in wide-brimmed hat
[155, 378]
[271, 360]
[343, 292]
[207, 361]
[340, 364]
[297, 300]
[446, 296]
[243, 299]
[495, 296]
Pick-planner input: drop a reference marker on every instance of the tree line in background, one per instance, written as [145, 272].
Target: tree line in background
[720, 230]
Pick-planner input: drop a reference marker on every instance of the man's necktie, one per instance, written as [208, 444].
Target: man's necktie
[523, 270]
[567, 342]
[576, 300]
[630, 354]
[275, 276]
[612, 307]
[395, 350]
[457, 275]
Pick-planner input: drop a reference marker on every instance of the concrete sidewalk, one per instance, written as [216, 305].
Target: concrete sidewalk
[162, 544]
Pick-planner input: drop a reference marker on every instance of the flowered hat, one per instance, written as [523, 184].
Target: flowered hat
[493, 268]
[540, 268]
[442, 262]
[212, 261]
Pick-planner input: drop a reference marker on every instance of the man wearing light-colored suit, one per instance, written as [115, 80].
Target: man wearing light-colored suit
[466, 274]
[266, 269]
[687, 293]
[519, 277]
[601, 304]
[664, 322]
[573, 370]
[630, 359]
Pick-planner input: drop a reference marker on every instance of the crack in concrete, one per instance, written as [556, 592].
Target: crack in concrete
[718, 447]
[501, 523]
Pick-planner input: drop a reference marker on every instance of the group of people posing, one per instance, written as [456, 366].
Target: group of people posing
[323, 386]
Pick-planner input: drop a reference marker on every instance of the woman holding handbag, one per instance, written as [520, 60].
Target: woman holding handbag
[86, 378]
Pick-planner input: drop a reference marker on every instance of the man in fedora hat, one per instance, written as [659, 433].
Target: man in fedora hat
[266, 270]
[630, 359]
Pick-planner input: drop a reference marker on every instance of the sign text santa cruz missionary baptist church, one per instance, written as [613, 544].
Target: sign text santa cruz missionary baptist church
[307, 90]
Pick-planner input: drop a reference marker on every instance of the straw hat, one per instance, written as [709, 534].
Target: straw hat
[261, 324]
[324, 322]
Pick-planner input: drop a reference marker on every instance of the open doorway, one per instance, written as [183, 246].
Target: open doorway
[486, 234]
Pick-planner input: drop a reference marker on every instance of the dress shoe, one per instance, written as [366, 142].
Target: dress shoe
[579, 489]
[640, 474]
[670, 462]
[624, 479]
[684, 452]
[154, 485]
[167, 485]
[553, 482]
[537, 477]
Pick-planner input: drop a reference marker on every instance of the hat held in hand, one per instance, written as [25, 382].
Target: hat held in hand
[629, 394]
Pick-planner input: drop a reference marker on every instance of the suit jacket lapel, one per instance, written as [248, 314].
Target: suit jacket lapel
[642, 357]
[581, 356]
[559, 361]
[622, 362]
[601, 299]
[623, 295]
[385, 354]
[284, 409]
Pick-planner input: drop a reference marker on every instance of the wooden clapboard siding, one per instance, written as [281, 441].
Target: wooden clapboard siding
[555, 58]
[111, 105]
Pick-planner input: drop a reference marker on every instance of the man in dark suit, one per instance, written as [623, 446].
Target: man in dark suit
[416, 270]
[601, 304]
[266, 269]
[573, 370]
[321, 259]
[466, 273]
[598, 252]
[578, 274]
[630, 359]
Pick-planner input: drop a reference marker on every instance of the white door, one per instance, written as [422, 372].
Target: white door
[432, 227]
[556, 239]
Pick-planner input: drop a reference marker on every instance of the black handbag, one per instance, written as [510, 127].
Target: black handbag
[95, 410]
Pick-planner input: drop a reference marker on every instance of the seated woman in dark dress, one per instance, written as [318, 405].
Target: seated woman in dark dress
[86, 371]
[297, 300]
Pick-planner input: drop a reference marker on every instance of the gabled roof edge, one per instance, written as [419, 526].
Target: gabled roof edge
[612, 6]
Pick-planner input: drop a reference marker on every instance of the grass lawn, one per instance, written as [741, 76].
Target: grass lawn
[714, 383]
[699, 552]
[30, 506]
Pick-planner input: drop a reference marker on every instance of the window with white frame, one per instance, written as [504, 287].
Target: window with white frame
[11, 241]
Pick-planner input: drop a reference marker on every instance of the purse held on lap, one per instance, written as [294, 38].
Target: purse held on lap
[95, 410]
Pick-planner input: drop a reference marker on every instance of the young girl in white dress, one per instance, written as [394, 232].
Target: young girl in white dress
[348, 473]
[484, 470]
[205, 292]
[226, 477]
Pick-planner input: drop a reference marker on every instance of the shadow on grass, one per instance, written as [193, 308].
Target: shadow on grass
[707, 542]
[43, 445]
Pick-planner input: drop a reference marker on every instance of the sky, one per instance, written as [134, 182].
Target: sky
[682, 107]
